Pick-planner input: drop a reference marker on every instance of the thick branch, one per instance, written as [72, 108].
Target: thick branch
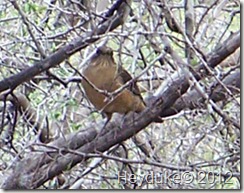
[193, 99]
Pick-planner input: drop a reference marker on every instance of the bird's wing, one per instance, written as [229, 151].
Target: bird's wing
[124, 77]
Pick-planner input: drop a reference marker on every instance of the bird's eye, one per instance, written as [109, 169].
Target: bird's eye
[98, 51]
[110, 52]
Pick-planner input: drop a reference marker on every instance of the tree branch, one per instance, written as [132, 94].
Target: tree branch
[193, 99]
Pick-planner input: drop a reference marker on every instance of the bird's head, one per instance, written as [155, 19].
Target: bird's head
[103, 56]
[104, 50]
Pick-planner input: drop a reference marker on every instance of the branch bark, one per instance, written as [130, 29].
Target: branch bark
[193, 99]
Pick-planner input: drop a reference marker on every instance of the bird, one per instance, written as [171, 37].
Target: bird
[102, 76]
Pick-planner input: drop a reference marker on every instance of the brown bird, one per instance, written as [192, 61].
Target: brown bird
[102, 75]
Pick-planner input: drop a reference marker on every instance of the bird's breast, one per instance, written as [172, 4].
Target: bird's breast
[99, 76]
